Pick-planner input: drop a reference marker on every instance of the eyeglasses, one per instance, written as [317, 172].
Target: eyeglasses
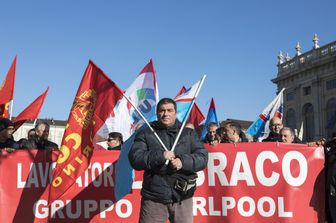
[276, 124]
[110, 139]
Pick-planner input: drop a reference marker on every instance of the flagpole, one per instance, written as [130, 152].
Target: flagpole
[10, 116]
[188, 112]
[143, 118]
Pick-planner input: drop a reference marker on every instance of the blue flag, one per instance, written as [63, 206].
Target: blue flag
[211, 117]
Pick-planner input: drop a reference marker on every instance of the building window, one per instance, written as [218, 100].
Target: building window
[331, 84]
[331, 117]
[290, 96]
[308, 122]
[290, 119]
[306, 91]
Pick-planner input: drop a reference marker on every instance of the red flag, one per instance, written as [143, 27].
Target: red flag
[7, 90]
[4, 110]
[96, 97]
[32, 111]
[196, 116]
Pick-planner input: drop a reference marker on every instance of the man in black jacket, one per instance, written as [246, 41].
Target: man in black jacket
[167, 190]
[42, 134]
[6, 135]
[275, 126]
[114, 141]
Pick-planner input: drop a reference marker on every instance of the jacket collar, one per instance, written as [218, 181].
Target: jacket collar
[174, 128]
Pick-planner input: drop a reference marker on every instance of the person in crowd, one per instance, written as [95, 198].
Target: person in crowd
[6, 135]
[42, 133]
[232, 133]
[275, 126]
[114, 141]
[31, 135]
[220, 133]
[167, 190]
[330, 164]
[189, 125]
[211, 137]
[30, 141]
[286, 135]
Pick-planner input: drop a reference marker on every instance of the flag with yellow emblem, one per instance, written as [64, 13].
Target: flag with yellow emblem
[96, 98]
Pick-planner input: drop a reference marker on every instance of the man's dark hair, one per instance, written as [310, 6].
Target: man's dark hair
[210, 124]
[236, 126]
[165, 101]
[5, 123]
[117, 135]
[220, 130]
[40, 123]
[30, 131]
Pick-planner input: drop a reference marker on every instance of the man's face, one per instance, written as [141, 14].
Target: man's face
[113, 142]
[7, 132]
[42, 131]
[166, 114]
[276, 125]
[31, 135]
[212, 132]
[229, 133]
[286, 136]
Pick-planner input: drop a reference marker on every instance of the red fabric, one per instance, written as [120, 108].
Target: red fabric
[96, 97]
[32, 111]
[7, 87]
[183, 89]
[196, 116]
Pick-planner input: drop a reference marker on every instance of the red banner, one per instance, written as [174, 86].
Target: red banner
[246, 182]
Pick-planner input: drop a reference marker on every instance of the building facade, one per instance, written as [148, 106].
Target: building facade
[309, 80]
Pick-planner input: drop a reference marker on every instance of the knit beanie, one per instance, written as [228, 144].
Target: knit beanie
[5, 123]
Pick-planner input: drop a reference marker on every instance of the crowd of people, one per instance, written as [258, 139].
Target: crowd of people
[37, 138]
[170, 175]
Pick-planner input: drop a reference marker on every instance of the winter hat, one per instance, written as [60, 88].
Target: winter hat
[5, 123]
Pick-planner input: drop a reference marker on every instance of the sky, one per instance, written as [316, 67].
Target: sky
[235, 43]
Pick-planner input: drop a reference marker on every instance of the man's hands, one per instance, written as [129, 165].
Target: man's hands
[9, 150]
[169, 155]
[176, 163]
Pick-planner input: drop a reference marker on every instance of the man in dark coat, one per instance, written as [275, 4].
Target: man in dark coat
[114, 141]
[167, 190]
[42, 134]
[275, 126]
[6, 135]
